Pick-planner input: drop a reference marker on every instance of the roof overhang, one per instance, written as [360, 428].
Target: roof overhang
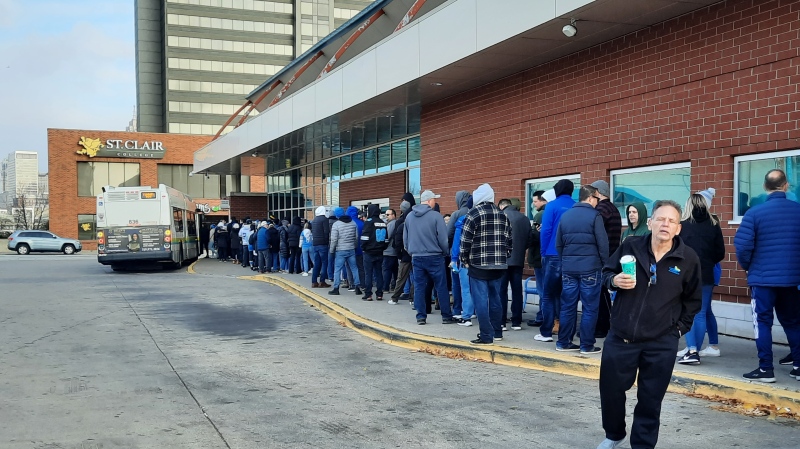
[454, 46]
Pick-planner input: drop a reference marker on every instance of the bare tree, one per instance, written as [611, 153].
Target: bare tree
[29, 212]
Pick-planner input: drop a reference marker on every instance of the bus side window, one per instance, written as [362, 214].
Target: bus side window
[177, 218]
[191, 224]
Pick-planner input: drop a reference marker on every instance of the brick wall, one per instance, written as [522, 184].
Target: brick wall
[704, 87]
[391, 186]
[62, 145]
[243, 206]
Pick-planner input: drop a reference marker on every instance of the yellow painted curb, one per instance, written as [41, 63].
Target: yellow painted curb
[589, 368]
[190, 270]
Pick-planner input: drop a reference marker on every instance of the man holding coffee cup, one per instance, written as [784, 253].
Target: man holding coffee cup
[658, 294]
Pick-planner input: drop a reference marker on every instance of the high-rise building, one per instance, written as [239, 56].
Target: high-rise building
[20, 173]
[196, 60]
[132, 128]
[44, 185]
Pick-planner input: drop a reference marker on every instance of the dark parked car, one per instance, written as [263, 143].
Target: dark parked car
[25, 242]
[5, 234]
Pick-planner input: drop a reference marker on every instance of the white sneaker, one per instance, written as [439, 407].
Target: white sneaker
[456, 317]
[305, 274]
[516, 328]
[540, 337]
[681, 353]
[466, 323]
[392, 302]
[609, 444]
[710, 351]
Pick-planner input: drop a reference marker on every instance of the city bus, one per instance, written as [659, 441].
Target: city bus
[145, 225]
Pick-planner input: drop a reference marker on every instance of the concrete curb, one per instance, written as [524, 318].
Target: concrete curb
[712, 387]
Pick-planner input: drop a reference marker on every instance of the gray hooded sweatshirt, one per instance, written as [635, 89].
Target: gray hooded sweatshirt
[424, 232]
[462, 197]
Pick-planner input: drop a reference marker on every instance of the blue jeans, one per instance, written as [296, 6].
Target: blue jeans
[276, 264]
[389, 271]
[306, 258]
[457, 299]
[462, 296]
[342, 257]
[430, 269]
[586, 287]
[320, 253]
[512, 276]
[284, 263]
[539, 273]
[373, 268]
[785, 301]
[695, 336]
[486, 296]
[550, 301]
[331, 264]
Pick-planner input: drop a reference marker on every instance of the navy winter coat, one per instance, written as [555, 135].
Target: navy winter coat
[581, 240]
[768, 242]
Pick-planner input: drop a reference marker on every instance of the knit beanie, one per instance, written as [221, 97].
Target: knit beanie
[708, 194]
[338, 212]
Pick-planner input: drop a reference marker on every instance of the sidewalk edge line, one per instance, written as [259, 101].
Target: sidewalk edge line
[711, 387]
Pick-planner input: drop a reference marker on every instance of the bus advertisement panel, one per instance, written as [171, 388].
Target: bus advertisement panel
[135, 239]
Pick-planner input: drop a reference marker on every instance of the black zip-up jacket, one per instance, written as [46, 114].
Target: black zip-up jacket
[520, 235]
[374, 238]
[293, 234]
[321, 230]
[647, 311]
[706, 240]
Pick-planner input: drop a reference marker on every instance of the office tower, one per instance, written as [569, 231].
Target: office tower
[196, 60]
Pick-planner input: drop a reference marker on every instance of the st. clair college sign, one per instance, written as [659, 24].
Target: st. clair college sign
[121, 148]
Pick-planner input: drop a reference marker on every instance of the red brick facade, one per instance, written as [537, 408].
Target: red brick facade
[391, 186]
[244, 205]
[701, 88]
[62, 145]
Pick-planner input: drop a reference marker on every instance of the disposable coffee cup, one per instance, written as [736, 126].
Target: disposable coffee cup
[628, 265]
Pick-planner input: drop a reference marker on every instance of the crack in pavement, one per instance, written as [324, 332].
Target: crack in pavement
[172, 367]
[50, 334]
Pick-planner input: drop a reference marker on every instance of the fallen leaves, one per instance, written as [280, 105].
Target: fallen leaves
[747, 409]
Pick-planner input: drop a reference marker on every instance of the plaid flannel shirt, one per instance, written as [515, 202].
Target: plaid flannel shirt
[486, 238]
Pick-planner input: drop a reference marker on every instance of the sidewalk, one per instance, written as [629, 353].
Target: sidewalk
[396, 324]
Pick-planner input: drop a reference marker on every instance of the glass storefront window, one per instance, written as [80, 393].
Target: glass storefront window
[399, 154]
[533, 185]
[413, 152]
[346, 167]
[86, 227]
[414, 185]
[649, 184]
[93, 176]
[358, 164]
[384, 128]
[384, 158]
[414, 118]
[399, 123]
[370, 167]
[370, 133]
[749, 173]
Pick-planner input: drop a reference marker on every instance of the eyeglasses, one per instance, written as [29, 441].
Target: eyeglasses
[653, 277]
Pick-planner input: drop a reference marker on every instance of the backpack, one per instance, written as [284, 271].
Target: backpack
[253, 237]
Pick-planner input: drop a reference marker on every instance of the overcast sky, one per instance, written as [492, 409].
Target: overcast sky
[64, 64]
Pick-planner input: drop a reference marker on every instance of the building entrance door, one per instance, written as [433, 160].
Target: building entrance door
[363, 205]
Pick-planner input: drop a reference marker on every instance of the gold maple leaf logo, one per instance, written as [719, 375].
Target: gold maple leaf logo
[86, 226]
[90, 146]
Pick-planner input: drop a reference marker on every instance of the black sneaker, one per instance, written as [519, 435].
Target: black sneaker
[358, 291]
[690, 358]
[788, 360]
[760, 375]
[404, 297]
[352, 289]
[421, 322]
[366, 298]
[335, 291]
[534, 323]
[593, 350]
[795, 373]
[448, 321]
[478, 341]
[569, 347]
[379, 298]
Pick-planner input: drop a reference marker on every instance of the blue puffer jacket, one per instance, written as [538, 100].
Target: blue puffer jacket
[262, 239]
[552, 216]
[581, 240]
[768, 243]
